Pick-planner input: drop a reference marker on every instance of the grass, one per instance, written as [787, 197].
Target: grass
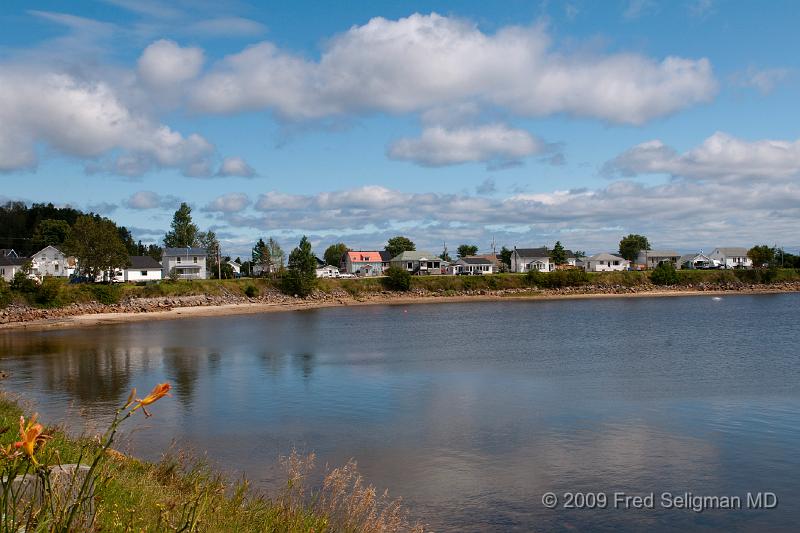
[178, 494]
[58, 293]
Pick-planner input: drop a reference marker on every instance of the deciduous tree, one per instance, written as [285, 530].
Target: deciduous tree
[334, 252]
[96, 245]
[397, 245]
[630, 246]
[465, 250]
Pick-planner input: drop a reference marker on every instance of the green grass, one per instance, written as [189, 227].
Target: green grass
[178, 494]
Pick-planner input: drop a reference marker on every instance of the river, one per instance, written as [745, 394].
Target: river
[470, 411]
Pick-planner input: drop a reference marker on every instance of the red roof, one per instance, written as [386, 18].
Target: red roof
[364, 257]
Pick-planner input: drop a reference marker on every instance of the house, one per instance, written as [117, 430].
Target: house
[188, 263]
[236, 268]
[653, 258]
[605, 263]
[732, 257]
[418, 262]
[50, 261]
[327, 271]
[527, 259]
[697, 261]
[472, 265]
[364, 262]
[8, 252]
[10, 266]
[142, 268]
[276, 263]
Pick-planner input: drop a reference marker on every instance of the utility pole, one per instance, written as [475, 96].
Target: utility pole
[219, 263]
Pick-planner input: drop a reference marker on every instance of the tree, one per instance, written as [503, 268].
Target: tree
[208, 240]
[276, 253]
[301, 277]
[466, 250]
[50, 232]
[184, 231]
[96, 245]
[397, 245]
[445, 256]
[580, 254]
[397, 279]
[558, 255]
[630, 246]
[333, 254]
[262, 257]
[762, 256]
[505, 257]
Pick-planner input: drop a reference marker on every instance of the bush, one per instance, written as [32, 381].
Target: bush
[397, 279]
[106, 294]
[47, 293]
[557, 279]
[5, 293]
[250, 291]
[664, 274]
[23, 284]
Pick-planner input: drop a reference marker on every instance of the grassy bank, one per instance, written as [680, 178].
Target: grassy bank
[58, 293]
[177, 495]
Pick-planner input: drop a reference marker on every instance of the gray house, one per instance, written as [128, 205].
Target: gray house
[653, 258]
[418, 262]
[189, 263]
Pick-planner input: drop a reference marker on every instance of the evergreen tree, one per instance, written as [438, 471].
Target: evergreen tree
[301, 276]
[558, 255]
[505, 257]
[184, 232]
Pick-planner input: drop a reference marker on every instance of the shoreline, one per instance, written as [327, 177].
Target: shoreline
[197, 311]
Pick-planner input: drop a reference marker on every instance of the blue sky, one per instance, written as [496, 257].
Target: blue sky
[446, 121]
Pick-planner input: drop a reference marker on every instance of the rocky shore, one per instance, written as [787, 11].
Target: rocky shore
[20, 316]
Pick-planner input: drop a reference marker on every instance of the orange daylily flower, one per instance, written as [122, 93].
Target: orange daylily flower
[158, 392]
[31, 434]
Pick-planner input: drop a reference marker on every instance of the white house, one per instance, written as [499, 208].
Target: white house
[327, 271]
[418, 262]
[10, 266]
[189, 263]
[527, 259]
[236, 267]
[142, 268]
[605, 263]
[471, 265]
[732, 257]
[653, 258]
[697, 262]
[50, 261]
[276, 263]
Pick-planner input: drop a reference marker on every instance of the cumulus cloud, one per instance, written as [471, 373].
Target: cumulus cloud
[438, 146]
[424, 61]
[164, 64]
[228, 203]
[88, 119]
[720, 157]
[487, 186]
[763, 80]
[236, 166]
[150, 200]
[680, 213]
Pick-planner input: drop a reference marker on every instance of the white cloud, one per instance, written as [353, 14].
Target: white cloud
[150, 200]
[638, 8]
[87, 119]
[236, 166]
[229, 203]
[165, 65]
[438, 146]
[763, 80]
[425, 61]
[720, 157]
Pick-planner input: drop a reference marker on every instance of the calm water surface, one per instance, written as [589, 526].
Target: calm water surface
[469, 411]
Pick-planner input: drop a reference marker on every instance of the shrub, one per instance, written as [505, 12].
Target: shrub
[664, 274]
[397, 279]
[47, 293]
[23, 284]
[5, 293]
[250, 291]
[106, 294]
[557, 279]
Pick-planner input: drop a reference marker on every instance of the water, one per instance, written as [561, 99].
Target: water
[469, 411]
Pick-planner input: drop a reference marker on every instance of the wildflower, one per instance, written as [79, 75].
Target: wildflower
[158, 392]
[31, 434]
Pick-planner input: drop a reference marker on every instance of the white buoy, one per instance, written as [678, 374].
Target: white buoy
[716, 298]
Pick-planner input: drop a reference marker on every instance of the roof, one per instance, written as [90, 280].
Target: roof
[661, 253]
[732, 251]
[416, 256]
[8, 252]
[12, 261]
[143, 262]
[605, 257]
[385, 256]
[539, 252]
[475, 260]
[364, 256]
[174, 252]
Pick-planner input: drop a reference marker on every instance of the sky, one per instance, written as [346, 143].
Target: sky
[518, 123]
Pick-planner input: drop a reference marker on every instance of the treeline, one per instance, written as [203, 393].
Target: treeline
[27, 230]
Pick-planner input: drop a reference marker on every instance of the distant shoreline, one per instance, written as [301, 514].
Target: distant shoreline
[175, 313]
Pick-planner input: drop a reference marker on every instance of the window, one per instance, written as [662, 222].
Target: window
[179, 260]
[195, 259]
[409, 265]
[56, 267]
[143, 273]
